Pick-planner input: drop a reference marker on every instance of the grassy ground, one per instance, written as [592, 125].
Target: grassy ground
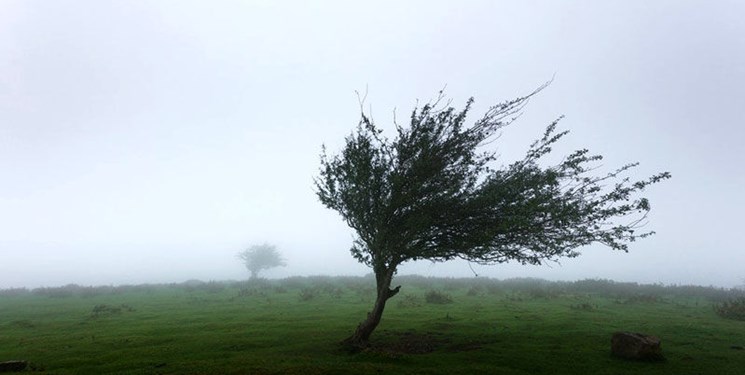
[294, 325]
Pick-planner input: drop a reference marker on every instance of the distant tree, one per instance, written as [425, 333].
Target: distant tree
[434, 193]
[260, 257]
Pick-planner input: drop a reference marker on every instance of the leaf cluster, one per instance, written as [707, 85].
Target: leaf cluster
[433, 192]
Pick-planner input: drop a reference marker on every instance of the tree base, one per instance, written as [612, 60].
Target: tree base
[354, 344]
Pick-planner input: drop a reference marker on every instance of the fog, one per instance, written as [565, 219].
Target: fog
[148, 142]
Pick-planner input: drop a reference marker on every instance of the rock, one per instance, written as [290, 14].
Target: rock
[636, 346]
[13, 366]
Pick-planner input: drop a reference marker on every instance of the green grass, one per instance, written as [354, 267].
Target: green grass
[508, 327]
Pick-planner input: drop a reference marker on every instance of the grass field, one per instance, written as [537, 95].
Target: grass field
[436, 326]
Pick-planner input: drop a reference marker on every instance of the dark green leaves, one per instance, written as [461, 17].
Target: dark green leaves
[432, 194]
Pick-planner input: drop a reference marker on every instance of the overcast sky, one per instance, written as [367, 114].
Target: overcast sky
[150, 141]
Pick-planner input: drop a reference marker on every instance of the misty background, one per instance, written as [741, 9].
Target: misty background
[147, 142]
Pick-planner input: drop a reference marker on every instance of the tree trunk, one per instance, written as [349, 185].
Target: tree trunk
[254, 274]
[360, 339]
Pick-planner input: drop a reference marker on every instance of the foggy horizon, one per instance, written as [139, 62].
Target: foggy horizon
[150, 142]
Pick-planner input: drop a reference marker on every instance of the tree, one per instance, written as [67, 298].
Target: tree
[434, 193]
[260, 257]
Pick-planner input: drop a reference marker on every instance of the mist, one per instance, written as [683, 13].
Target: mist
[150, 142]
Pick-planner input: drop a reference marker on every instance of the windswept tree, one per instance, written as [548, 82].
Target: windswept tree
[261, 257]
[435, 193]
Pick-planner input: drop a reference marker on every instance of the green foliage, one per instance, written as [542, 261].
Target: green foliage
[261, 257]
[308, 294]
[732, 309]
[433, 193]
[437, 297]
[475, 290]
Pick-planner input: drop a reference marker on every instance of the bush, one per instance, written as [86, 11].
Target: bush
[732, 309]
[437, 297]
[475, 290]
[307, 294]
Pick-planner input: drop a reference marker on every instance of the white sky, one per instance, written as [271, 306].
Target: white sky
[150, 141]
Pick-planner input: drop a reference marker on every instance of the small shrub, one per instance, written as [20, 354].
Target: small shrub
[475, 290]
[732, 309]
[437, 297]
[307, 294]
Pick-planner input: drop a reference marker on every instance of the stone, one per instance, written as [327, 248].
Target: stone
[13, 366]
[636, 346]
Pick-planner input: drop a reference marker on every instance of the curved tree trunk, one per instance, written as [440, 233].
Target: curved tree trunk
[361, 337]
